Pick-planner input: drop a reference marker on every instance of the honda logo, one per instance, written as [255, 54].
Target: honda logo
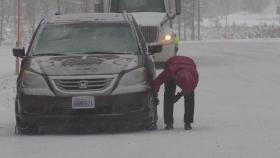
[83, 84]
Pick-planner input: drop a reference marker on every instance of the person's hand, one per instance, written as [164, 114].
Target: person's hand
[155, 100]
[177, 97]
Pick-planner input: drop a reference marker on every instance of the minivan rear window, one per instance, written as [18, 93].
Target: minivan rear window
[86, 38]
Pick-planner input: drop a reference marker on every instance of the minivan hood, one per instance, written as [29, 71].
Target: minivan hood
[149, 18]
[83, 65]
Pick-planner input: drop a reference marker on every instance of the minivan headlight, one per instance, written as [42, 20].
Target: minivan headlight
[33, 80]
[137, 76]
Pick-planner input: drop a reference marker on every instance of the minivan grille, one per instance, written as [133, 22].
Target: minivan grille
[150, 33]
[83, 84]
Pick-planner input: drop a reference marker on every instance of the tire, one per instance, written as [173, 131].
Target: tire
[23, 128]
[153, 125]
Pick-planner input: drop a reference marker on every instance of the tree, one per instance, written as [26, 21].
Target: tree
[187, 19]
[2, 15]
[31, 14]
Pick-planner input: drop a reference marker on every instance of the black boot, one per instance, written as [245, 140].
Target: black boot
[168, 127]
[188, 126]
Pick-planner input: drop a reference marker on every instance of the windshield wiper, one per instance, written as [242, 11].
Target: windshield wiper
[49, 54]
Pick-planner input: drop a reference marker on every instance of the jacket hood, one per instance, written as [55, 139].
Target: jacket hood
[149, 18]
[83, 65]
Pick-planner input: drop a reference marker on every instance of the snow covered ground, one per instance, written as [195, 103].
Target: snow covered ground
[237, 112]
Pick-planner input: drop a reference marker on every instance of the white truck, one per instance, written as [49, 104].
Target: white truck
[278, 7]
[155, 19]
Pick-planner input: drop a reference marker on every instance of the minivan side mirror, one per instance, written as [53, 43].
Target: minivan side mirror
[178, 7]
[19, 52]
[154, 48]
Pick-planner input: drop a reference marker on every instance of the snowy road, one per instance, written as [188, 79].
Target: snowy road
[237, 112]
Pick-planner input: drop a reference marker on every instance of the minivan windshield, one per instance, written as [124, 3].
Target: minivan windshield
[138, 6]
[85, 38]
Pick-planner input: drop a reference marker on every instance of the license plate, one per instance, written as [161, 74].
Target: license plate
[84, 102]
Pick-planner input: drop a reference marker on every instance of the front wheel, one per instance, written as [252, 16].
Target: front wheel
[153, 125]
[25, 128]
[155, 118]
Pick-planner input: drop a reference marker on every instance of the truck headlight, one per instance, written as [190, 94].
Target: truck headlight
[33, 80]
[137, 76]
[167, 39]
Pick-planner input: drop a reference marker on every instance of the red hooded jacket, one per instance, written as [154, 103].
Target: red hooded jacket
[183, 70]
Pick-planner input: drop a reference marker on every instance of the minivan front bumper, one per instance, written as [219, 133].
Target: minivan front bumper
[130, 108]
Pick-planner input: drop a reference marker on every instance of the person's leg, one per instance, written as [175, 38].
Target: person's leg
[189, 110]
[169, 93]
[176, 50]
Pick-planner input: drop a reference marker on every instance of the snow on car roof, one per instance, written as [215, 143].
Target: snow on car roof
[87, 17]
